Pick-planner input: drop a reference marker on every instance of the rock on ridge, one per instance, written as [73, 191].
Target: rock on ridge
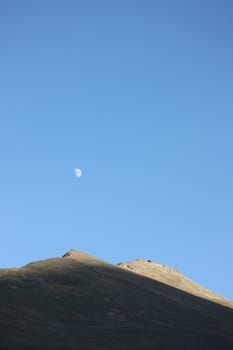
[70, 252]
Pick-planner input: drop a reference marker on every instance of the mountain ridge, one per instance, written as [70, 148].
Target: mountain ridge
[148, 268]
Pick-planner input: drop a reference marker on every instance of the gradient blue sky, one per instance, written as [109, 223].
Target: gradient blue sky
[139, 95]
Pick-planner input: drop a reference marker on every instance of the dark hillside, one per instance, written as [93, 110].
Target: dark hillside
[80, 302]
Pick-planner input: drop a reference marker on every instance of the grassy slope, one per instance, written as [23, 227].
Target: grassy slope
[80, 302]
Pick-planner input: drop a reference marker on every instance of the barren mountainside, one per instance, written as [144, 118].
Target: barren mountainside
[81, 302]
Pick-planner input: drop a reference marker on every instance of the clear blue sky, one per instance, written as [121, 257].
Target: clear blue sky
[139, 95]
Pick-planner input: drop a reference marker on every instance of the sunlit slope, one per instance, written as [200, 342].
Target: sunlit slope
[174, 278]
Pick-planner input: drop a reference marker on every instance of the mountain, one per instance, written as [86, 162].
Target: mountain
[81, 302]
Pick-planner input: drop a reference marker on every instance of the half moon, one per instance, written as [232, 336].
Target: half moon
[78, 172]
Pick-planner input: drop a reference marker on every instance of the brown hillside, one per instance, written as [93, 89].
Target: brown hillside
[81, 302]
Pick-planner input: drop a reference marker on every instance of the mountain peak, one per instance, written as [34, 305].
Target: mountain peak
[70, 252]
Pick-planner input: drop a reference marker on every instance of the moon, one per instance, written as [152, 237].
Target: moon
[77, 172]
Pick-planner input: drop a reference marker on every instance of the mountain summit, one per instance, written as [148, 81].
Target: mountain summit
[81, 302]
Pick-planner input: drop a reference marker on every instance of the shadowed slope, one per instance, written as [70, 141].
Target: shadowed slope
[81, 302]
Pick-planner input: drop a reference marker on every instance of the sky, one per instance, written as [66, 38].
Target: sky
[138, 95]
